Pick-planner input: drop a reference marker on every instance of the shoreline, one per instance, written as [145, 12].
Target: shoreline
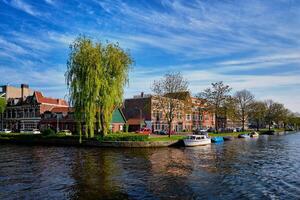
[74, 141]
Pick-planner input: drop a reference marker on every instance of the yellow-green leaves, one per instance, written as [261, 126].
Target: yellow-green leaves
[96, 76]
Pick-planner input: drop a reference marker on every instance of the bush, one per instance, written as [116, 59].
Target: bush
[267, 132]
[48, 131]
[123, 137]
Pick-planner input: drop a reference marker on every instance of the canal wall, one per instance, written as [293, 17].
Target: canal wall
[92, 143]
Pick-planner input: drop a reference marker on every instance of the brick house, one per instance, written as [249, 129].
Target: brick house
[24, 112]
[63, 119]
[142, 107]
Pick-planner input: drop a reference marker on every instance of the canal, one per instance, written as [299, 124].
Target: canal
[267, 167]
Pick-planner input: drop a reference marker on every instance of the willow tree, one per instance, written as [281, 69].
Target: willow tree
[116, 64]
[96, 76]
[2, 109]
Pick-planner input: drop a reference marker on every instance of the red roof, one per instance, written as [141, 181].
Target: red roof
[62, 110]
[46, 100]
[133, 121]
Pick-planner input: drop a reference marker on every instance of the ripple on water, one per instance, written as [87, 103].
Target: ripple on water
[263, 168]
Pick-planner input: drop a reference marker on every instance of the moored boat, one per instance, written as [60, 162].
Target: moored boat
[254, 134]
[217, 139]
[244, 136]
[226, 138]
[196, 140]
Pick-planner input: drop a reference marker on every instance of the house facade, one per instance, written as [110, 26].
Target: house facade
[62, 118]
[24, 112]
[143, 108]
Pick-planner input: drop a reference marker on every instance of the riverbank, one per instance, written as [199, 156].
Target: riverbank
[112, 140]
[127, 140]
[261, 132]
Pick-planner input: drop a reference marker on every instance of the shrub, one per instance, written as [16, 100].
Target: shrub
[48, 131]
[123, 137]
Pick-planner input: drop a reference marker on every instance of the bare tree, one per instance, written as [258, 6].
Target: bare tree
[258, 112]
[171, 92]
[243, 100]
[216, 98]
[274, 113]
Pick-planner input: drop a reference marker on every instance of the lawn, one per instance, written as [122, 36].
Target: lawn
[166, 138]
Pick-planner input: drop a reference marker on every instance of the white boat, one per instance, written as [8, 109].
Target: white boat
[244, 136]
[196, 140]
[254, 134]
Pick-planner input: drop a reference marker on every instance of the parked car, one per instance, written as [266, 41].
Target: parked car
[66, 132]
[166, 132]
[33, 131]
[6, 131]
[146, 131]
[36, 131]
[211, 130]
[199, 131]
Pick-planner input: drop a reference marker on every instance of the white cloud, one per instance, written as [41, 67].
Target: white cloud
[51, 2]
[21, 5]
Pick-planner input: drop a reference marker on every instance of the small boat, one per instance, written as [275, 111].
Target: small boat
[217, 139]
[254, 134]
[227, 138]
[244, 136]
[196, 140]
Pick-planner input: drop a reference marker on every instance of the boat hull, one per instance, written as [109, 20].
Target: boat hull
[192, 143]
[217, 139]
[244, 136]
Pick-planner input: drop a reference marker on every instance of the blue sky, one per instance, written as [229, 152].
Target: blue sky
[247, 44]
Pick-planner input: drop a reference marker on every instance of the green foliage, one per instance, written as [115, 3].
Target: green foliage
[96, 76]
[123, 137]
[48, 131]
[2, 105]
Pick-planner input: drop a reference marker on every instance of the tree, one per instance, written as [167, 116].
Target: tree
[216, 98]
[96, 75]
[257, 112]
[244, 100]
[2, 109]
[274, 112]
[171, 93]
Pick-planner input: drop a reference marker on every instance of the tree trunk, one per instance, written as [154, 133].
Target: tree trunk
[169, 132]
[269, 126]
[243, 125]
[80, 134]
[257, 125]
[2, 121]
[103, 130]
[216, 123]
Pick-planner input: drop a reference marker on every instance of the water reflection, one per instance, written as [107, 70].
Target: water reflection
[263, 168]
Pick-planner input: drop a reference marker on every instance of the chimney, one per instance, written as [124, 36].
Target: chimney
[23, 88]
[142, 94]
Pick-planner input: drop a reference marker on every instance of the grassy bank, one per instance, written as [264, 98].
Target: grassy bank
[236, 134]
[138, 137]
[108, 137]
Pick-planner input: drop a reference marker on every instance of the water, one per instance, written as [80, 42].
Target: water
[263, 168]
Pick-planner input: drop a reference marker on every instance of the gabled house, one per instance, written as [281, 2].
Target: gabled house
[24, 113]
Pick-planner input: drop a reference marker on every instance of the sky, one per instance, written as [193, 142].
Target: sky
[253, 44]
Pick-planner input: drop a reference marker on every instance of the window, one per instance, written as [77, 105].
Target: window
[179, 116]
[195, 117]
[206, 117]
[188, 117]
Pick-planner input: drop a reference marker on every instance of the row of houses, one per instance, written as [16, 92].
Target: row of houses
[28, 109]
